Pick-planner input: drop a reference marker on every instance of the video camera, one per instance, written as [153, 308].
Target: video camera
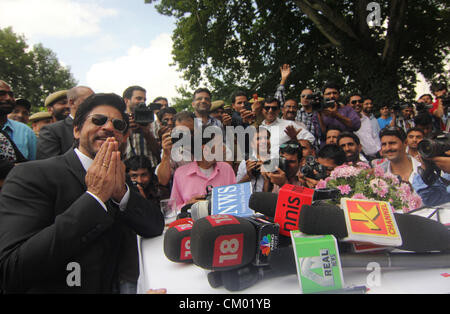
[319, 103]
[313, 169]
[268, 165]
[429, 148]
[422, 106]
[144, 115]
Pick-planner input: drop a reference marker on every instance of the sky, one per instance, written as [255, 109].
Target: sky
[107, 44]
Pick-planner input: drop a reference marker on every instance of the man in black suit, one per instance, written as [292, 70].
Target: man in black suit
[64, 220]
[57, 138]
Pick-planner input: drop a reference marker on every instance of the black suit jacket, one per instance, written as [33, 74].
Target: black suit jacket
[55, 139]
[47, 220]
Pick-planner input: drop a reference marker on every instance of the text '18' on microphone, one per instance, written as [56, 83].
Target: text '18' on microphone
[177, 243]
[222, 242]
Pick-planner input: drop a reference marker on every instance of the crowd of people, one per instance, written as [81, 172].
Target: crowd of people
[80, 181]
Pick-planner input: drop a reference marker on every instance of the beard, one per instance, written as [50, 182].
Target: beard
[61, 114]
[6, 108]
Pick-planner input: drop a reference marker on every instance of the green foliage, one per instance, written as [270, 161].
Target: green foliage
[34, 73]
[241, 44]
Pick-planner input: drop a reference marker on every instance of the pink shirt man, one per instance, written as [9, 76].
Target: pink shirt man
[190, 181]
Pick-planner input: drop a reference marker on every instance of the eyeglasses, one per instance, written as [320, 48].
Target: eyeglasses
[268, 108]
[295, 146]
[100, 120]
[354, 102]
[202, 98]
[4, 93]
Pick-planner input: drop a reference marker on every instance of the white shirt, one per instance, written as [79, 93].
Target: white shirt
[278, 136]
[86, 162]
[368, 134]
[415, 165]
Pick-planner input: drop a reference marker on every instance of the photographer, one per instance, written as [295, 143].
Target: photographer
[289, 166]
[403, 116]
[329, 157]
[335, 114]
[139, 169]
[432, 181]
[440, 106]
[250, 170]
[141, 140]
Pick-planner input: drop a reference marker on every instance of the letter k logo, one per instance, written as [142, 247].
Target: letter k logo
[368, 217]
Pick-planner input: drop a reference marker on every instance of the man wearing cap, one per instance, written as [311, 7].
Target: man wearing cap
[217, 111]
[71, 234]
[20, 133]
[56, 103]
[57, 138]
[39, 119]
[21, 111]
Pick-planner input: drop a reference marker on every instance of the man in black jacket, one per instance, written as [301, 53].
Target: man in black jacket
[57, 138]
[64, 221]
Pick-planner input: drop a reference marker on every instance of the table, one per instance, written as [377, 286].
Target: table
[159, 272]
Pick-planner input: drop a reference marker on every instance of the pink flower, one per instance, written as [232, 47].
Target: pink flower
[379, 187]
[344, 189]
[415, 201]
[322, 184]
[345, 171]
[359, 196]
[363, 165]
[379, 172]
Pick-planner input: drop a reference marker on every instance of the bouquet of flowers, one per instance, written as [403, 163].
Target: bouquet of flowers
[362, 182]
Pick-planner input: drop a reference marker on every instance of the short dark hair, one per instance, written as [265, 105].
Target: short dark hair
[331, 85]
[270, 99]
[393, 131]
[237, 94]
[201, 90]
[128, 93]
[351, 135]
[429, 95]
[96, 100]
[160, 98]
[334, 152]
[163, 111]
[336, 128]
[287, 148]
[138, 162]
[415, 129]
[184, 115]
[423, 118]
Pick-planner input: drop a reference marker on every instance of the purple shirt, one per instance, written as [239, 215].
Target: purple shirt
[345, 111]
[189, 181]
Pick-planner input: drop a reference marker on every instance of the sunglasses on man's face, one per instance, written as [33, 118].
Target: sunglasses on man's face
[4, 93]
[268, 108]
[100, 120]
[358, 101]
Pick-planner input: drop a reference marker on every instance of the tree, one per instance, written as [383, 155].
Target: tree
[33, 73]
[234, 44]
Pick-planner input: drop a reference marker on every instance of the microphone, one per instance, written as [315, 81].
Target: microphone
[177, 243]
[419, 234]
[200, 209]
[283, 264]
[223, 242]
[285, 206]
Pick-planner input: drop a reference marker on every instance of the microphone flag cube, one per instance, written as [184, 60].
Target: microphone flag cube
[318, 263]
[291, 198]
[371, 221]
[232, 200]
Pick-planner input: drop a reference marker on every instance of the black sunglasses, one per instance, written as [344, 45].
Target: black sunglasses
[4, 92]
[354, 102]
[99, 120]
[268, 108]
[295, 146]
